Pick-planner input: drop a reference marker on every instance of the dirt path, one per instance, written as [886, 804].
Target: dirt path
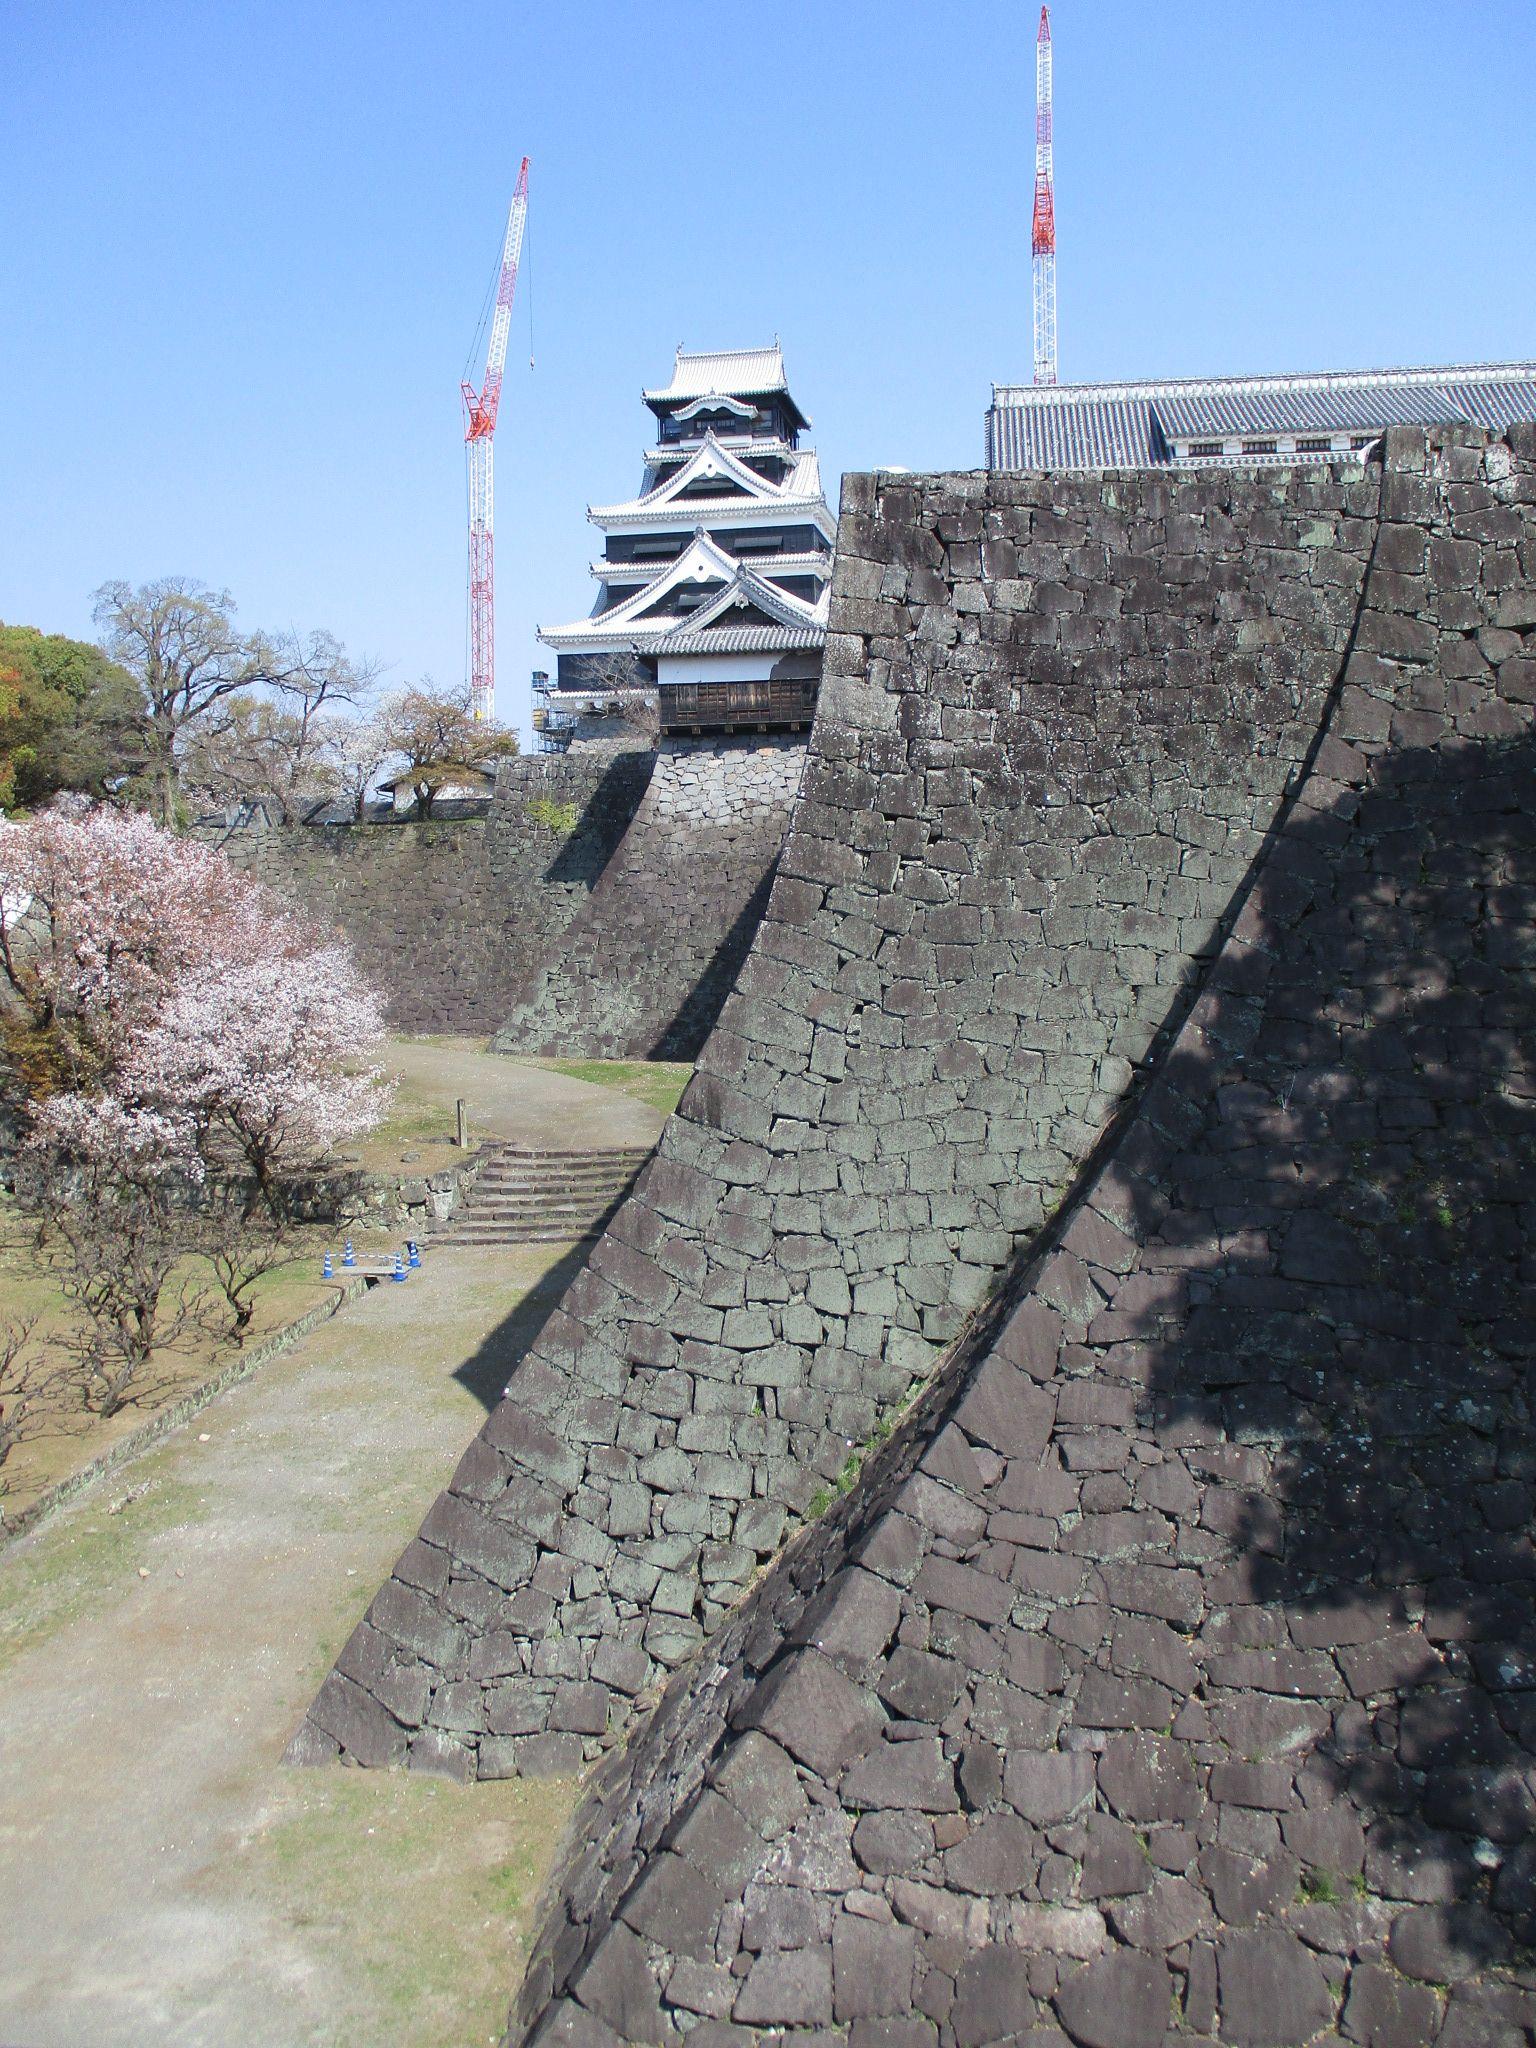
[516, 1100]
[162, 1877]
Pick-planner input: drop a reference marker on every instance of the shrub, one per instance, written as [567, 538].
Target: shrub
[554, 817]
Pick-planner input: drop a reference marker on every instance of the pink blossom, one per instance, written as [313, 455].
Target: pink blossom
[193, 1008]
[267, 1048]
[102, 1128]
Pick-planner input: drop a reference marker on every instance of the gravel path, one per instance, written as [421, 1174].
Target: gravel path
[163, 1877]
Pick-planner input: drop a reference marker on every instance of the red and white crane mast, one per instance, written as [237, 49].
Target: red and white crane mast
[1043, 239]
[479, 433]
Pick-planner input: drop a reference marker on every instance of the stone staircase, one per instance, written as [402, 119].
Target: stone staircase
[543, 1197]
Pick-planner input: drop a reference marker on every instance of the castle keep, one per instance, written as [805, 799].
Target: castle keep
[713, 578]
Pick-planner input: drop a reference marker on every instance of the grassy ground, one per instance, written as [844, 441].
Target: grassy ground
[469, 1858]
[657, 1083]
[559, 1102]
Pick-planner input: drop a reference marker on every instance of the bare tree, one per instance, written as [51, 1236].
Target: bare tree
[37, 1393]
[121, 1238]
[619, 678]
[251, 750]
[242, 1245]
[312, 674]
[179, 639]
[440, 739]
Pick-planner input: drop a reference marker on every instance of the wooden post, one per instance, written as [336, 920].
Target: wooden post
[462, 1139]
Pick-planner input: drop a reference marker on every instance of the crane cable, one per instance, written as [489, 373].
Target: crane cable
[527, 280]
[475, 358]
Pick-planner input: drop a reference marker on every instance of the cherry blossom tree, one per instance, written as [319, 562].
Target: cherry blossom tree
[164, 1003]
[260, 1056]
[188, 1049]
[36, 1386]
[102, 916]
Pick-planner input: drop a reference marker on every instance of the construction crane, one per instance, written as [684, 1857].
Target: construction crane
[1043, 240]
[479, 433]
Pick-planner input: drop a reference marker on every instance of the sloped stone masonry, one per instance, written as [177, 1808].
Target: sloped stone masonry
[642, 971]
[1170, 1674]
[1057, 720]
[448, 918]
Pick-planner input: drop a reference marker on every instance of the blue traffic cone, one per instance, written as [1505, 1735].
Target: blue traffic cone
[327, 1272]
[399, 1272]
[346, 1255]
[412, 1256]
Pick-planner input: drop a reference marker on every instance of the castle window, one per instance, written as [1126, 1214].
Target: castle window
[1206, 447]
[1258, 447]
[1314, 444]
[1359, 441]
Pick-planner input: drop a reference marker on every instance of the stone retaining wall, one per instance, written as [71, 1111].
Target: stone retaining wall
[642, 970]
[1058, 717]
[1169, 1674]
[447, 919]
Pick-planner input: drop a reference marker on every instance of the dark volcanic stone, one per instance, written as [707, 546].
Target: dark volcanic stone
[1120, 2001]
[1384, 2010]
[677, 1906]
[892, 1842]
[1444, 1944]
[1273, 1990]
[792, 1988]
[871, 1968]
[1148, 1778]
[992, 1998]
[817, 1714]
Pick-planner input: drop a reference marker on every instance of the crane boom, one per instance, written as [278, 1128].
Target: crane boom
[1043, 236]
[480, 409]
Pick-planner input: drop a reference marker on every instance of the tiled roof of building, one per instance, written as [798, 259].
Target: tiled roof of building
[706, 598]
[1134, 425]
[753, 497]
[755, 445]
[746, 640]
[805, 564]
[709, 462]
[731, 372]
[705, 567]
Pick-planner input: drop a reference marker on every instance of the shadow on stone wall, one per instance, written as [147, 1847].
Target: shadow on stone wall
[642, 970]
[694, 1018]
[1334, 1317]
[486, 1373]
[604, 818]
[447, 918]
[1179, 1656]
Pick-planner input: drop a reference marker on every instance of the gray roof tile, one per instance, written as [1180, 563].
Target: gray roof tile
[1132, 425]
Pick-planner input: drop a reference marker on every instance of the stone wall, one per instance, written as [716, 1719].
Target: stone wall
[448, 919]
[643, 969]
[1058, 718]
[1169, 1673]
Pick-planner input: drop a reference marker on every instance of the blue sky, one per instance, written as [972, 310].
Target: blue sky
[243, 248]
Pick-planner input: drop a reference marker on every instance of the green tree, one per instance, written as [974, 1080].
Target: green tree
[70, 718]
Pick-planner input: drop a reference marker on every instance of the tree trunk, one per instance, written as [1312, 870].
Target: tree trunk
[162, 774]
